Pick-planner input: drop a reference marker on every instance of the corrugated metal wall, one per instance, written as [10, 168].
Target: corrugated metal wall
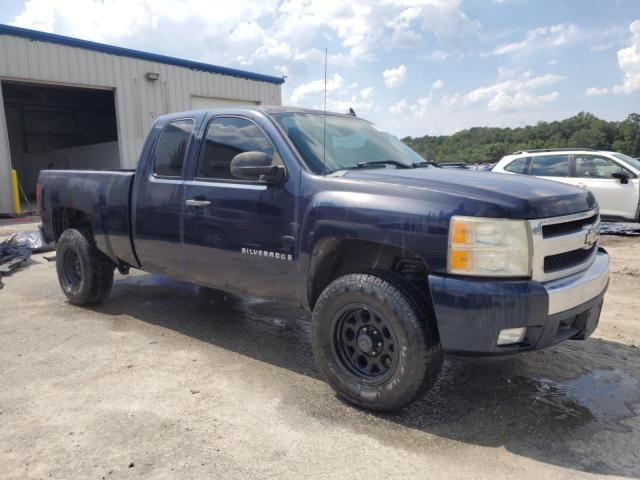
[138, 100]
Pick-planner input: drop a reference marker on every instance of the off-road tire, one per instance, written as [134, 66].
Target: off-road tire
[406, 311]
[85, 274]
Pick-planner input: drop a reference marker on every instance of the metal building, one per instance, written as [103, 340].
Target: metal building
[69, 103]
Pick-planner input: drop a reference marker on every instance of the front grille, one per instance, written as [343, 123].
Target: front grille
[565, 260]
[556, 229]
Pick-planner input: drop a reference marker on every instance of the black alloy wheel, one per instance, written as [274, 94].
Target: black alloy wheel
[365, 342]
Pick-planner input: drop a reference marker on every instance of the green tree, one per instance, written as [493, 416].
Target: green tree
[484, 144]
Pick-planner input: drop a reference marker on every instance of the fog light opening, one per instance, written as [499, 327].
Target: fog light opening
[509, 336]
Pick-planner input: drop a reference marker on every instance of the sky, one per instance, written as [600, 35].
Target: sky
[413, 67]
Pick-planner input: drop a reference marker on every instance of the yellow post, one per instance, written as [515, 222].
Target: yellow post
[15, 192]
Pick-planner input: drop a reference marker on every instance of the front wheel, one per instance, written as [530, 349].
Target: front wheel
[374, 340]
[85, 273]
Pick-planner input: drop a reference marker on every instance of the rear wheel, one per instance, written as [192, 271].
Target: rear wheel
[85, 274]
[375, 341]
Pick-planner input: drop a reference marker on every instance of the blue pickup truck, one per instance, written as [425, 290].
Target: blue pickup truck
[399, 261]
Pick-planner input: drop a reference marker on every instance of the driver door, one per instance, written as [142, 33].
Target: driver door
[616, 199]
[238, 233]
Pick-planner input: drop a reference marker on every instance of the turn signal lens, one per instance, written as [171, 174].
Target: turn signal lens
[460, 233]
[459, 260]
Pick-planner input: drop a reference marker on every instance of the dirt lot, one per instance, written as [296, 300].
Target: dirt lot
[168, 380]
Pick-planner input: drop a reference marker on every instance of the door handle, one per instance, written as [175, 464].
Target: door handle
[580, 184]
[192, 202]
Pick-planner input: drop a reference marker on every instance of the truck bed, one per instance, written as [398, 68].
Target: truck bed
[102, 197]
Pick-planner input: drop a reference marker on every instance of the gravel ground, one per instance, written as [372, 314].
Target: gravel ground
[169, 380]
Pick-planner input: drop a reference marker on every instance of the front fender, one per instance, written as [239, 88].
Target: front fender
[399, 222]
[331, 217]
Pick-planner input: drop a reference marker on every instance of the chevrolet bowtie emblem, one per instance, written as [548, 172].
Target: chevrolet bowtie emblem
[591, 237]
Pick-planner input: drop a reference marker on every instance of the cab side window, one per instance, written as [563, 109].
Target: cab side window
[593, 166]
[227, 137]
[520, 165]
[550, 166]
[172, 147]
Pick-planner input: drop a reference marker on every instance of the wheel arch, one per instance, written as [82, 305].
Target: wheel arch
[333, 257]
[65, 218]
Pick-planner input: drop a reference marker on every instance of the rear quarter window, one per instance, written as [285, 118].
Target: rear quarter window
[519, 165]
[172, 147]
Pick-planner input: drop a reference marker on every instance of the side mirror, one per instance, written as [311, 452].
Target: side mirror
[256, 166]
[622, 176]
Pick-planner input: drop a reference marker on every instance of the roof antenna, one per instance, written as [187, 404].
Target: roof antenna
[324, 119]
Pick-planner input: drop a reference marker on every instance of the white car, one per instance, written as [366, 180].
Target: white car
[612, 177]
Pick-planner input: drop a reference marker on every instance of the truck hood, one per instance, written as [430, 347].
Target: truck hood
[518, 196]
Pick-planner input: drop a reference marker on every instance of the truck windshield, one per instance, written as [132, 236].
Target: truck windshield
[347, 143]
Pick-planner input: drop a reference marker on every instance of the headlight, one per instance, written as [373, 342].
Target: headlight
[489, 247]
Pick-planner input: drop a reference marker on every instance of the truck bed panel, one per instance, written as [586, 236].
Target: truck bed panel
[104, 199]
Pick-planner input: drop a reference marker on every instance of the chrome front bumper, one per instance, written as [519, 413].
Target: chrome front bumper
[574, 290]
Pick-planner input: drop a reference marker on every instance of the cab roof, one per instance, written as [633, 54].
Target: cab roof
[265, 109]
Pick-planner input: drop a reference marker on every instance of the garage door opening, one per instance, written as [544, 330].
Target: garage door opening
[53, 127]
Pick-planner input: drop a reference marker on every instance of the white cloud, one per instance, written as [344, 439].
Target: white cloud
[509, 47]
[394, 76]
[363, 26]
[542, 37]
[512, 92]
[111, 19]
[629, 62]
[418, 110]
[282, 70]
[95, 20]
[399, 108]
[253, 32]
[437, 56]
[504, 102]
[248, 32]
[366, 93]
[315, 56]
[404, 32]
[343, 106]
[437, 85]
[595, 91]
[601, 47]
[317, 86]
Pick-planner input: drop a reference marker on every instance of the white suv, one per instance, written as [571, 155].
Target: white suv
[611, 176]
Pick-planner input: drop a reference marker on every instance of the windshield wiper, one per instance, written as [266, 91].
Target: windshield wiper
[382, 163]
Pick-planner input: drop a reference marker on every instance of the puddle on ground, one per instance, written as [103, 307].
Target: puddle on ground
[273, 333]
[514, 397]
